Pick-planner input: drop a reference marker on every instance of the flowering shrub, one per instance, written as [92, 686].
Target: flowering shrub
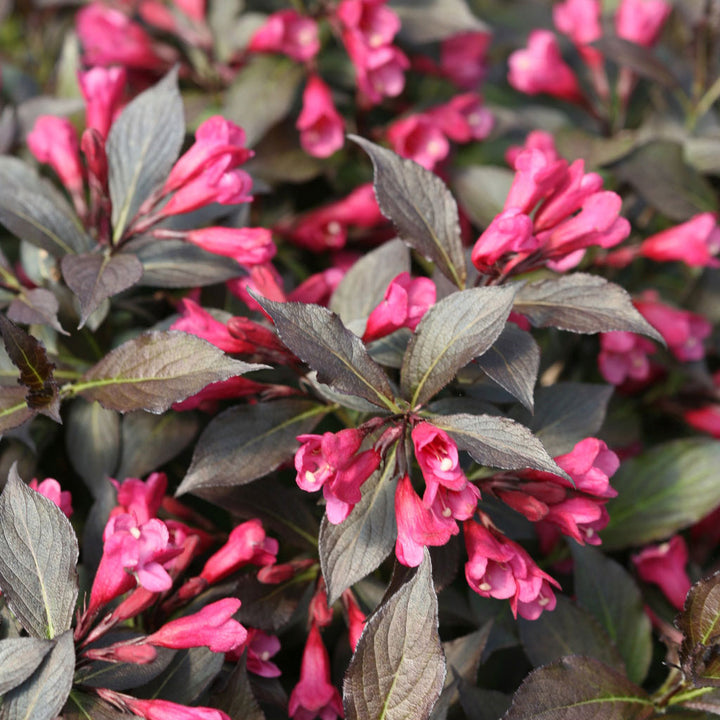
[359, 360]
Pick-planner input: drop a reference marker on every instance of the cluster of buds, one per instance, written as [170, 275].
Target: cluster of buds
[425, 137]
[553, 212]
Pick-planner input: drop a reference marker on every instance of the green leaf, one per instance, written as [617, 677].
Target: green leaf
[142, 146]
[609, 592]
[567, 630]
[398, 668]
[94, 277]
[363, 286]
[581, 303]
[699, 623]
[661, 176]
[578, 688]
[38, 555]
[43, 694]
[248, 102]
[155, 370]
[513, 362]
[149, 441]
[318, 337]
[663, 491]
[356, 547]
[19, 658]
[497, 441]
[34, 210]
[249, 441]
[455, 330]
[421, 208]
[36, 371]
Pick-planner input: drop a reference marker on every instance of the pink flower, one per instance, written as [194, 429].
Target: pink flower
[318, 288]
[590, 464]
[706, 419]
[463, 58]
[419, 138]
[131, 550]
[51, 489]
[578, 19]
[664, 565]
[332, 462]
[166, 710]
[102, 89]
[140, 499]
[355, 618]
[194, 9]
[260, 648]
[641, 21]
[406, 301]
[538, 174]
[197, 321]
[417, 525]
[374, 22]
[289, 33]
[54, 141]
[693, 242]
[682, 330]
[230, 188]
[109, 37]
[314, 696]
[535, 140]
[247, 246]
[510, 232]
[211, 627]
[463, 118]
[320, 125]
[539, 68]
[246, 544]
[437, 455]
[498, 567]
[623, 356]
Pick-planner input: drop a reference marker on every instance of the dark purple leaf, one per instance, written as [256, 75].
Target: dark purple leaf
[149, 441]
[249, 441]
[38, 555]
[36, 371]
[43, 694]
[14, 411]
[608, 591]
[481, 704]
[579, 688]
[581, 303]
[268, 606]
[699, 623]
[142, 147]
[356, 547]
[420, 207]
[463, 656]
[235, 697]
[94, 277]
[398, 668]
[455, 330]
[177, 264]
[636, 57]
[19, 658]
[34, 210]
[156, 369]
[432, 20]
[663, 491]
[497, 441]
[363, 286]
[513, 363]
[567, 630]
[81, 706]
[36, 307]
[318, 337]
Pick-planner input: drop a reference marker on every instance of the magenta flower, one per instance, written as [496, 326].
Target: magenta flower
[141, 499]
[166, 710]
[539, 68]
[260, 648]
[332, 462]
[706, 419]
[51, 489]
[320, 125]
[419, 138]
[54, 140]
[355, 618]
[498, 567]
[509, 232]
[212, 627]
[624, 356]
[247, 246]
[590, 464]
[682, 330]
[315, 696]
[664, 566]
[417, 525]
[641, 21]
[289, 33]
[694, 242]
[437, 455]
[102, 89]
[374, 22]
[463, 58]
[538, 174]
[229, 188]
[319, 287]
[579, 20]
[197, 321]
[463, 118]
[406, 301]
